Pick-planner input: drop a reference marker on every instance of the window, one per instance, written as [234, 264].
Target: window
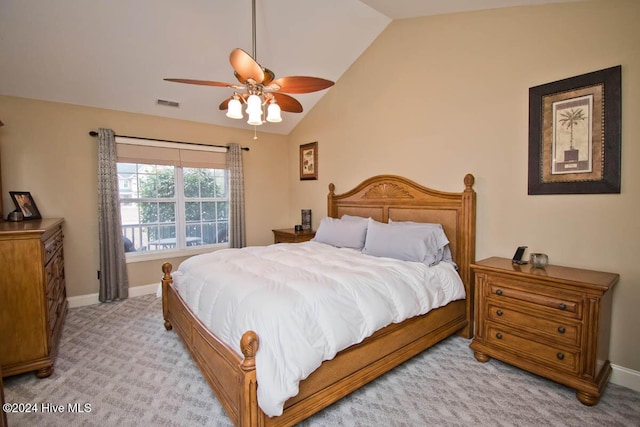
[170, 199]
[169, 207]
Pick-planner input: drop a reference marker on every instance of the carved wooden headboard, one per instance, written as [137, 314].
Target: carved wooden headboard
[389, 196]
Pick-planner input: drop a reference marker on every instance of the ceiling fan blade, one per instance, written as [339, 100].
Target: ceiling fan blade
[287, 103]
[225, 104]
[301, 84]
[245, 66]
[201, 82]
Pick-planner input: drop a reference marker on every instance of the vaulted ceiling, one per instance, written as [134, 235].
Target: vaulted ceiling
[114, 54]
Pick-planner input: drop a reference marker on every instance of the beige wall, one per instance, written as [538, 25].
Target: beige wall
[436, 97]
[46, 149]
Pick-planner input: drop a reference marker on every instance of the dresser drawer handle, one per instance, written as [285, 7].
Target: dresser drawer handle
[499, 292]
[562, 306]
[499, 335]
[561, 329]
[499, 313]
[560, 356]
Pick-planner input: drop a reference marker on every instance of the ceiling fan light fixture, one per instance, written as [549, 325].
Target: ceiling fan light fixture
[235, 109]
[258, 86]
[273, 113]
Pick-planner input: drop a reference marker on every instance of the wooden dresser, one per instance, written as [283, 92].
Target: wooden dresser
[553, 321]
[33, 299]
[290, 235]
[3, 413]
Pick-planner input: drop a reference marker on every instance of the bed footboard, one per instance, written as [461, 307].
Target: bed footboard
[231, 377]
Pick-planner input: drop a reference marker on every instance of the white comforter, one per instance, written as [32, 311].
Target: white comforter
[306, 302]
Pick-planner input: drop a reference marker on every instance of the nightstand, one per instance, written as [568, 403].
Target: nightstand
[290, 235]
[553, 322]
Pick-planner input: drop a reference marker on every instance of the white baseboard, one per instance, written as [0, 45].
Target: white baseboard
[621, 376]
[91, 299]
[625, 377]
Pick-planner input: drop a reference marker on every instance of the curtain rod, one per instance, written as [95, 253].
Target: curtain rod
[94, 133]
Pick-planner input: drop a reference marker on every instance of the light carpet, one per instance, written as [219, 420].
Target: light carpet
[119, 359]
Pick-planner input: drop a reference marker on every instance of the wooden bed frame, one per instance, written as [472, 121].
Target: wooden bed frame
[233, 378]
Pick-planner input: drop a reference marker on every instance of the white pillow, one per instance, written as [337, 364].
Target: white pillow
[418, 244]
[347, 217]
[341, 233]
[444, 251]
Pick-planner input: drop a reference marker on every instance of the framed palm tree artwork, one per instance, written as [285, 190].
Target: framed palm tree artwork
[575, 133]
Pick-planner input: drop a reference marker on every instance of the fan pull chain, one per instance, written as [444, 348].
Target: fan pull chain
[255, 134]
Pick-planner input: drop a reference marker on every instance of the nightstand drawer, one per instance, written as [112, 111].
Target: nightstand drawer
[556, 357]
[564, 304]
[560, 330]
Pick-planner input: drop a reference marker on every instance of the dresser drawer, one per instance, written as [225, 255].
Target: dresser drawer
[527, 347]
[54, 274]
[53, 299]
[56, 297]
[56, 302]
[50, 273]
[560, 330]
[51, 245]
[53, 314]
[536, 296]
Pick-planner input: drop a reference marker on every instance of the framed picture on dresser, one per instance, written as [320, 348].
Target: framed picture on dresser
[24, 201]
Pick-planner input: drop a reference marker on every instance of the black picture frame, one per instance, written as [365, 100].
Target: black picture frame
[25, 203]
[591, 166]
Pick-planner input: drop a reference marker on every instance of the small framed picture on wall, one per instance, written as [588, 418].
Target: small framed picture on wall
[309, 161]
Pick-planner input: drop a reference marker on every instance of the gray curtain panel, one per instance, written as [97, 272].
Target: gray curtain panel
[114, 283]
[237, 238]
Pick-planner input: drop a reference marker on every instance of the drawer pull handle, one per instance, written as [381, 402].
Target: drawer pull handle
[499, 313]
[560, 356]
[499, 335]
[499, 292]
[562, 306]
[561, 329]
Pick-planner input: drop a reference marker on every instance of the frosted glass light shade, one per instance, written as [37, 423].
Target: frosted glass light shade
[234, 109]
[255, 119]
[254, 105]
[273, 113]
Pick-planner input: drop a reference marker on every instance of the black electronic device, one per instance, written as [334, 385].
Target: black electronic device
[517, 257]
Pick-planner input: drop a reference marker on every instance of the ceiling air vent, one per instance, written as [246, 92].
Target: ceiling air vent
[168, 103]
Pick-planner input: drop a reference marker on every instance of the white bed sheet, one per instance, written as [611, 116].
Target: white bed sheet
[306, 302]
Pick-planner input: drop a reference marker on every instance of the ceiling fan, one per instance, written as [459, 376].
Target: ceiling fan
[258, 87]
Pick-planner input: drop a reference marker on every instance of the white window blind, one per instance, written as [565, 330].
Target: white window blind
[169, 153]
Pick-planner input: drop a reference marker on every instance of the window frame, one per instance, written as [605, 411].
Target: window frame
[181, 156]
